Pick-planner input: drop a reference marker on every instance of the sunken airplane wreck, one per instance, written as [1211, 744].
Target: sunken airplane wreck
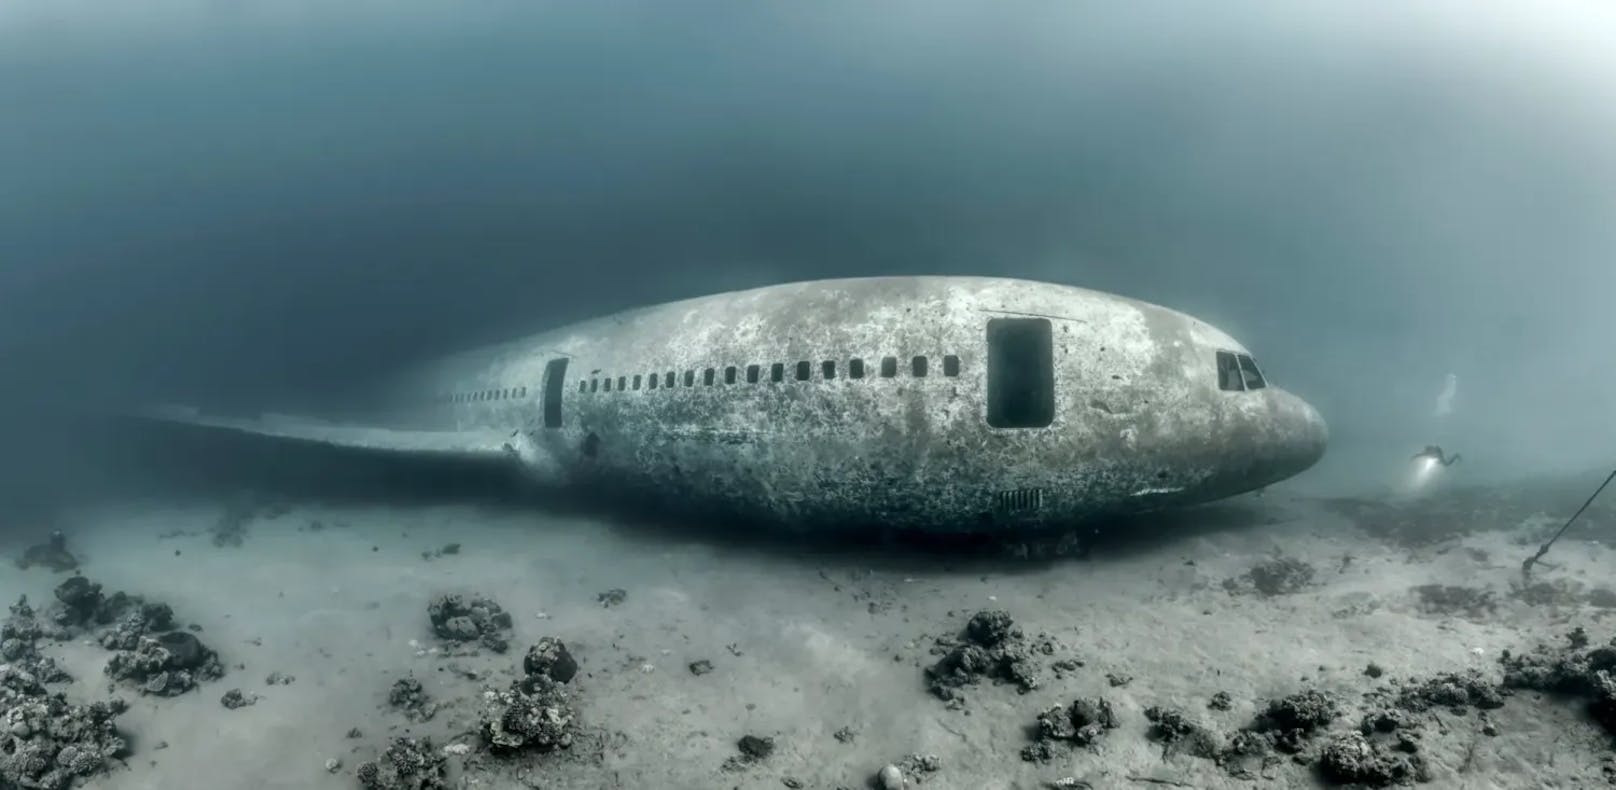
[930, 403]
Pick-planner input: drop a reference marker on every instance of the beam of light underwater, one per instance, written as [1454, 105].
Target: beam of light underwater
[1425, 468]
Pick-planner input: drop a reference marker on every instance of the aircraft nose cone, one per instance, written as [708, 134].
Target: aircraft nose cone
[1308, 434]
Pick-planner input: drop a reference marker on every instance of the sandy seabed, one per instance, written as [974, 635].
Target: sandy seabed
[825, 649]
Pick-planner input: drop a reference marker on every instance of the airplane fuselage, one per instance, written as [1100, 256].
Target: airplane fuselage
[936, 403]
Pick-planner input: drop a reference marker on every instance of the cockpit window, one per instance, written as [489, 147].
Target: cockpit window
[1229, 378]
[1248, 369]
[1238, 372]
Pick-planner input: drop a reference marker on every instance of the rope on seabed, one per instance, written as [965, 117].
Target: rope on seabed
[1526, 567]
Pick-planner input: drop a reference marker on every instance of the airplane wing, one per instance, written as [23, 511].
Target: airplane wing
[466, 445]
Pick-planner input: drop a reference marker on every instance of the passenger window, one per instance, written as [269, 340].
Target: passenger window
[608, 386]
[777, 372]
[752, 374]
[889, 367]
[690, 378]
[729, 374]
[828, 369]
[667, 382]
[918, 366]
[636, 381]
[594, 385]
[651, 381]
[1021, 373]
[1229, 373]
[1248, 370]
[951, 365]
[583, 385]
[622, 383]
[855, 368]
[804, 370]
[707, 377]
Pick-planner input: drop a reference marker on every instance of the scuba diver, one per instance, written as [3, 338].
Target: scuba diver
[1435, 453]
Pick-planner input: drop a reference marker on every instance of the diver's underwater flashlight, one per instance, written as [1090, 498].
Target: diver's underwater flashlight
[1426, 464]
[1424, 469]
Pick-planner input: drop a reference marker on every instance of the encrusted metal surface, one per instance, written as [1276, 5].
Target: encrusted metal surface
[1139, 419]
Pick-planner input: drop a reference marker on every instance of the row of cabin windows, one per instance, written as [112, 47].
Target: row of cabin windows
[1238, 372]
[485, 395]
[803, 371]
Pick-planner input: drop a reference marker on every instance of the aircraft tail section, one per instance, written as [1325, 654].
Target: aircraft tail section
[466, 445]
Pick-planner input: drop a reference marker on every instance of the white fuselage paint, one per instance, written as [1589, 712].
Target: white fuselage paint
[1139, 420]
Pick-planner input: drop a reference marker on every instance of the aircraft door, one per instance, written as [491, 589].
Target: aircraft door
[555, 377]
[1021, 373]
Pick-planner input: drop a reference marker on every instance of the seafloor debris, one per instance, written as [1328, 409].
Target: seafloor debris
[279, 679]
[1447, 599]
[701, 667]
[234, 699]
[461, 618]
[549, 657]
[1220, 701]
[753, 748]
[1082, 723]
[147, 649]
[1178, 733]
[534, 713]
[45, 741]
[992, 647]
[1450, 690]
[80, 602]
[611, 597]
[18, 646]
[1279, 576]
[408, 696]
[167, 664]
[1388, 745]
[1352, 758]
[407, 764]
[1575, 670]
[51, 554]
[911, 770]
[48, 743]
[1292, 720]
